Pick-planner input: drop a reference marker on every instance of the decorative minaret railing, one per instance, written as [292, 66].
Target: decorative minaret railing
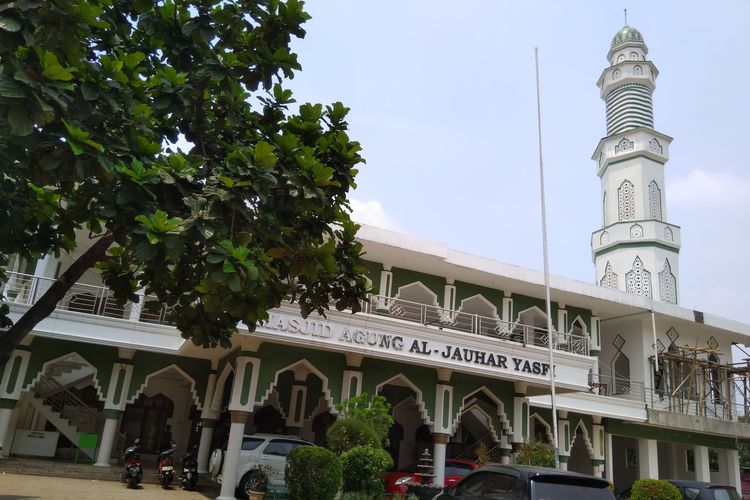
[636, 250]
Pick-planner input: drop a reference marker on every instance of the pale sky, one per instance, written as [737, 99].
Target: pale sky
[443, 101]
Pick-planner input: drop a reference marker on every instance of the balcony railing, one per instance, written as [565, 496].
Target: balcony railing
[89, 299]
[99, 300]
[619, 387]
[447, 319]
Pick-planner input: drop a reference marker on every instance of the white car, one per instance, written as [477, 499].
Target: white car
[268, 451]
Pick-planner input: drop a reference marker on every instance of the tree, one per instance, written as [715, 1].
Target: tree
[94, 95]
[373, 410]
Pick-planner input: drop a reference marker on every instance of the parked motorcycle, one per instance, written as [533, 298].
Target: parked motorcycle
[190, 469]
[165, 467]
[133, 472]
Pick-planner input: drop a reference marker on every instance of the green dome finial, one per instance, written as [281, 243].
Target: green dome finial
[627, 34]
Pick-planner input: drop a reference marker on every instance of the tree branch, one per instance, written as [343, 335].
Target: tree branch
[47, 303]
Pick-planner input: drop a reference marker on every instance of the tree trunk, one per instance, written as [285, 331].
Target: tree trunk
[47, 302]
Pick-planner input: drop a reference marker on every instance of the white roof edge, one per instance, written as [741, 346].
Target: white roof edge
[487, 265]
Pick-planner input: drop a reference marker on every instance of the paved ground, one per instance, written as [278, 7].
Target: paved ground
[28, 487]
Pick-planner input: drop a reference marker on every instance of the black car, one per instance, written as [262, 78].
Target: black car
[696, 490]
[521, 482]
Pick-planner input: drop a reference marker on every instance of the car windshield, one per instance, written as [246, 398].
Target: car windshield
[550, 490]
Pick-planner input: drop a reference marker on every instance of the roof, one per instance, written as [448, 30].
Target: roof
[627, 34]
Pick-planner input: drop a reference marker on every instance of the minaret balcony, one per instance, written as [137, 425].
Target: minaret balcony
[636, 142]
[641, 232]
[641, 72]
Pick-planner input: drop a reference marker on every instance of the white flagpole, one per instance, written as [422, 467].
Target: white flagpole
[546, 265]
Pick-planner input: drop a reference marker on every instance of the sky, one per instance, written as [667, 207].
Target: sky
[443, 101]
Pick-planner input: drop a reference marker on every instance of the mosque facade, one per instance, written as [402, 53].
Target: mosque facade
[457, 344]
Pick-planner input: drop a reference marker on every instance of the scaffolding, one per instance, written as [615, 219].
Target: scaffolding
[692, 381]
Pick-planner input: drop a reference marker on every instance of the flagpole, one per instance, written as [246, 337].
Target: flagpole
[546, 265]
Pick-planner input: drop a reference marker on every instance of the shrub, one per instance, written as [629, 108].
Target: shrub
[312, 473]
[374, 410]
[483, 454]
[345, 434]
[654, 489]
[535, 453]
[362, 468]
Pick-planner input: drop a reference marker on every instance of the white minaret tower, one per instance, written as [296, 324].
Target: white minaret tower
[636, 250]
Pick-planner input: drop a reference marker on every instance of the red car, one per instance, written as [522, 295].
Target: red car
[397, 482]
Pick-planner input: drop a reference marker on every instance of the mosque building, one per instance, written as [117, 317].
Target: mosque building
[458, 345]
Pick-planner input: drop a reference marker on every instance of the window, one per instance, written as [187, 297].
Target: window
[251, 443]
[500, 486]
[691, 493]
[472, 486]
[282, 447]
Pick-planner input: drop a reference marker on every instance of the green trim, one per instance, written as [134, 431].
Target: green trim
[13, 378]
[629, 244]
[112, 414]
[639, 154]
[446, 408]
[22, 348]
[619, 428]
[563, 459]
[8, 404]
[209, 423]
[595, 353]
[246, 382]
[250, 354]
[125, 361]
[506, 452]
[596, 461]
[118, 385]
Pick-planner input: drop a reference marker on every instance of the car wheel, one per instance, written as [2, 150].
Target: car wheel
[249, 483]
[214, 463]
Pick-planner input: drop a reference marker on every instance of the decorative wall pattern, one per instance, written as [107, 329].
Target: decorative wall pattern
[668, 234]
[636, 231]
[654, 201]
[638, 279]
[667, 284]
[654, 146]
[624, 145]
[609, 280]
[626, 201]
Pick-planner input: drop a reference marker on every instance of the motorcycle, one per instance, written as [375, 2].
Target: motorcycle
[133, 472]
[165, 467]
[190, 469]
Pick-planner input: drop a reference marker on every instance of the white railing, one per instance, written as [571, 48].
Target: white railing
[99, 300]
[619, 387]
[89, 299]
[446, 319]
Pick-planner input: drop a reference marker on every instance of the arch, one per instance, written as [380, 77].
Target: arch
[402, 380]
[531, 327]
[610, 278]
[221, 381]
[299, 367]
[636, 231]
[410, 301]
[75, 357]
[654, 201]
[171, 367]
[538, 418]
[478, 304]
[667, 284]
[586, 438]
[626, 201]
[578, 327]
[471, 400]
[621, 372]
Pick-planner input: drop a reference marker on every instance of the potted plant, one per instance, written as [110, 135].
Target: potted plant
[259, 486]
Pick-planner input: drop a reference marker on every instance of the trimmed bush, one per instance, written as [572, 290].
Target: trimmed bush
[345, 434]
[312, 473]
[535, 453]
[654, 489]
[362, 468]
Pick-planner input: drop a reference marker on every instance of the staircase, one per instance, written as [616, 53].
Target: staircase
[71, 416]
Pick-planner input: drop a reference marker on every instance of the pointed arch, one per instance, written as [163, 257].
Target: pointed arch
[71, 357]
[402, 380]
[654, 200]
[168, 368]
[415, 302]
[535, 417]
[610, 278]
[302, 366]
[578, 327]
[219, 389]
[667, 284]
[471, 400]
[478, 304]
[586, 438]
[638, 279]
[626, 201]
[531, 327]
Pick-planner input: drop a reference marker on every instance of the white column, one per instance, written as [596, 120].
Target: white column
[204, 446]
[5, 414]
[733, 470]
[386, 282]
[108, 440]
[232, 458]
[648, 459]
[438, 459]
[608, 465]
[135, 309]
[702, 469]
